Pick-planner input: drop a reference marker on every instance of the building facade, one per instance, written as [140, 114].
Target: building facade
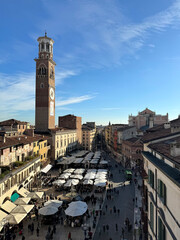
[161, 187]
[64, 141]
[72, 122]
[13, 127]
[147, 119]
[131, 151]
[88, 137]
[45, 86]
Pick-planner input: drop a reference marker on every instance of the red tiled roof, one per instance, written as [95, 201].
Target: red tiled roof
[12, 122]
[164, 148]
[20, 140]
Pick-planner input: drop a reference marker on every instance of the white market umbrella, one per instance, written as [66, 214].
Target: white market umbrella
[69, 170]
[78, 204]
[76, 209]
[100, 183]
[64, 176]
[88, 182]
[22, 209]
[53, 203]
[102, 170]
[46, 211]
[35, 195]
[59, 182]
[22, 201]
[76, 176]
[71, 182]
[15, 218]
[79, 171]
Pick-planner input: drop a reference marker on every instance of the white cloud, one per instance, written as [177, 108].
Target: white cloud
[102, 34]
[73, 100]
[17, 92]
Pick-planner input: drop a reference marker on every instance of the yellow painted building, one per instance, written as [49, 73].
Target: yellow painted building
[40, 148]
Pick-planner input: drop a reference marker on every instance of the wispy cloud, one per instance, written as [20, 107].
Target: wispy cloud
[102, 34]
[73, 100]
[17, 93]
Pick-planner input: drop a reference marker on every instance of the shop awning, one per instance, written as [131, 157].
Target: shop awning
[14, 197]
[46, 169]
[23, 192]
[15, 218]
[2, 215]
[8, 206]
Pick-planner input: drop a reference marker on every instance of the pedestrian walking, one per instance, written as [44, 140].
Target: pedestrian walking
[37, 231]
[104, 228]
[23, 237]
[106, 208]
[122, 232]
[110, 210]
[69, 236]
[54, 228]
[107, 227]
[116, 227]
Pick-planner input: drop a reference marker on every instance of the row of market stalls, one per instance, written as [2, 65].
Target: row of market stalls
[72, 176]
[92, 159]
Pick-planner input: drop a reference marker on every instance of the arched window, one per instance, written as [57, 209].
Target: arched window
[47, 47]
[42, 46]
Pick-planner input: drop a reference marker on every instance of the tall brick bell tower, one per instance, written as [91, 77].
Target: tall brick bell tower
[45, 86]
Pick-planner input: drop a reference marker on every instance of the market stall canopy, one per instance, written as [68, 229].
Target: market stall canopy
[48, 210]
[2, 215]
[67, 161]
[79, 171]
[78, 160]
[65, 176]
[46, 169]
[14, 197]
[35, 195]
[100, 183]
[94, 161]
[22, 201]
[22, 209]
[103, 162]
[77, 208]
[88, 182]
[53, 203]
[23, 192]
[90, 175]
[71, 182]
[59, 182]
[15, 218]
[103, 170]
[8, 206]
[69, 170]
[76, 176]
[91, 170]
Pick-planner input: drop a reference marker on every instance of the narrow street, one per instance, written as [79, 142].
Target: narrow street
[122, 201]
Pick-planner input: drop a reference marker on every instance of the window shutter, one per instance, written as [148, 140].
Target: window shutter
[158, 186]
[164, 194]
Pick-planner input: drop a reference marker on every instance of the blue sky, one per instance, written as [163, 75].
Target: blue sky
[114, 57]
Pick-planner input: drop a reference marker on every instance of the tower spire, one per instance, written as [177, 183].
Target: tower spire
[45, 33]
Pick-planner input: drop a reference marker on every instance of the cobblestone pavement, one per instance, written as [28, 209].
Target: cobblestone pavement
[122, 201]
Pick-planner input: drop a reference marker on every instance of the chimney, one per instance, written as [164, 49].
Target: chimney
[167, 125]
[175, 149]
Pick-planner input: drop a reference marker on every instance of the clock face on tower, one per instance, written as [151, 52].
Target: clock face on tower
[51, 93]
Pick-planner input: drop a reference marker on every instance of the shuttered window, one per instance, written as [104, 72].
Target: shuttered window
[151, 178]
[161, 230]
[162, 191]
[152, 216]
